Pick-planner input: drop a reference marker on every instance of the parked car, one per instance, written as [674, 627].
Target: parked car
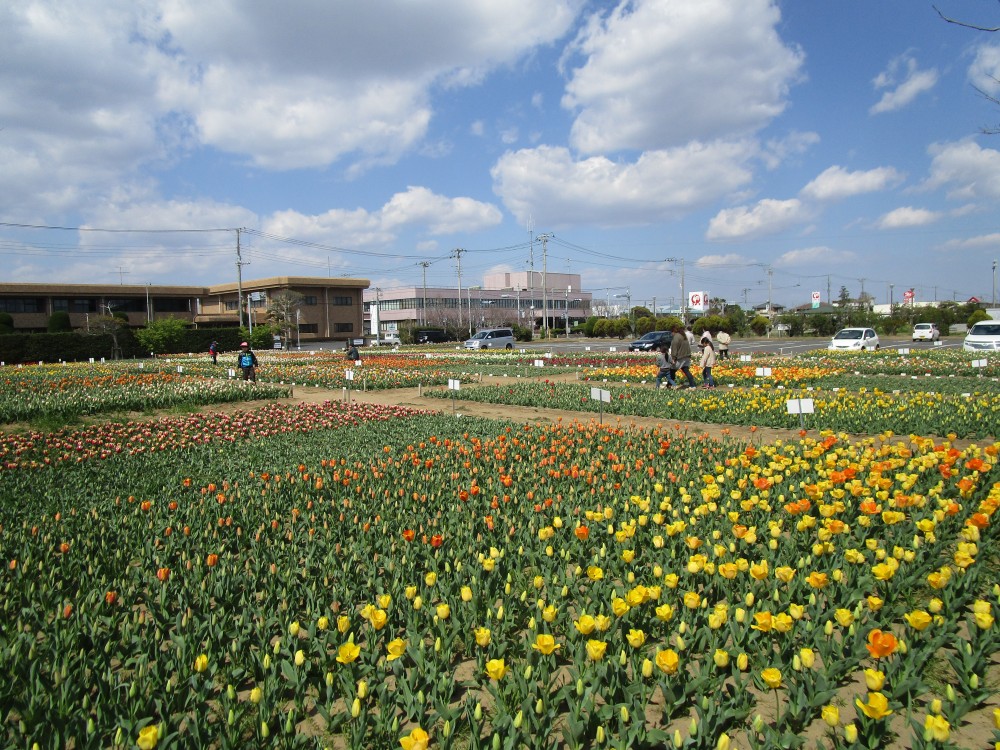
[926, 332]
[388, 339]
[855, 339]
[983, 337]
[650, 341]
[431, 336]
[492, 338]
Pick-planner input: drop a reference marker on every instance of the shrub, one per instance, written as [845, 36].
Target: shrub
[59, 322]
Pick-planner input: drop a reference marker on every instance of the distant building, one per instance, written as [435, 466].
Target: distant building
[331, 308]
[502, 299]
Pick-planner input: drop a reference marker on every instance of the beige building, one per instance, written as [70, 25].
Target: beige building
[501, 299]
[330, 308]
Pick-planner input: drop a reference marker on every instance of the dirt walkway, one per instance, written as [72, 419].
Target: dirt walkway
[412, 397]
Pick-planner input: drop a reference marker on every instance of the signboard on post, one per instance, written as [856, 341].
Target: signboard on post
[815, 300]
[800, 406]
[602, 397]
[698, 301]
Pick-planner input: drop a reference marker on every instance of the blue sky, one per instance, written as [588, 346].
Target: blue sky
[776, 148]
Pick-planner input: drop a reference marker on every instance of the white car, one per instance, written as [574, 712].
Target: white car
[926, 332]
[855, 340]
[389, 339]
[983, 337]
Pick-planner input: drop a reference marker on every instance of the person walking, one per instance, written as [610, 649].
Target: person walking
[247, 362]
[707, 363]
[213, 349]
[665, 367]
[680, 351]
[723, 339]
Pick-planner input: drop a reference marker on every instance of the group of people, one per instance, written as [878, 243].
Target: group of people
[246, 360]
[676, 357]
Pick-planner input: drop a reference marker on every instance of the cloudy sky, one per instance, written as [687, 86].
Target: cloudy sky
[765, 147]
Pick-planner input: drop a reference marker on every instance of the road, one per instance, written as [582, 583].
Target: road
[781, 345]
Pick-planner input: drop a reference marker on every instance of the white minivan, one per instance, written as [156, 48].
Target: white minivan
[492, 338]
[983, 337]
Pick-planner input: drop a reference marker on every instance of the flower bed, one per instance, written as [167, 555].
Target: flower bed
[466, 584]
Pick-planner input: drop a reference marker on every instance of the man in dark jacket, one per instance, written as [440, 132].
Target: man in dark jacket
[680, 351]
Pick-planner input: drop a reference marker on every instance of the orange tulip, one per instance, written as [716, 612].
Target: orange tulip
[881, 643]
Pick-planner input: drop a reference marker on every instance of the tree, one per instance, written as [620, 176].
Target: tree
[59, 322]
[282, 312]
[109, 325]
[976, 317]
[162, 336]
[844, 298]
[6, 323]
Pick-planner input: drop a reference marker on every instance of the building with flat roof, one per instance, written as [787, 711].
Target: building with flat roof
[330, 308]
[502, 299]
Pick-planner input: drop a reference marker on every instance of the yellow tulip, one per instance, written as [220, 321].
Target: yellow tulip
[831, 715]
[936, 728]
[496, 669]
[443, 611]
[415, 740]
[348, 652]
[918, 619]
[545, 644]
[721, 658]
[585, 625]
[394, 649]
[201, 663]
[635, 638]
[877, 706]
[874, 679]
[148, 737]
[771, 677]
[596, 649]
[668, 661]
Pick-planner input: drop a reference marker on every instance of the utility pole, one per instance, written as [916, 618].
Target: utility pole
[683, 295]
[861, 299]
[458, 258]
[122, 272]
[426, 263]
[545, 296]
[239, 278]
[770, 275]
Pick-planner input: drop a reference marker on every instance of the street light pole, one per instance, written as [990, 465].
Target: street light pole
[994, 283]
[566, 310]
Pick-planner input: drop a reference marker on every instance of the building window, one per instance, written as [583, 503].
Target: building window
[343, 327]
[127, 304]
[342, 301]
[309, 299]
[230, 306]
[174, 304]
[309, 328]
[22, 305]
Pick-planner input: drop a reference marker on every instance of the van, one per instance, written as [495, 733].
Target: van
[492, 338]
[983, 337]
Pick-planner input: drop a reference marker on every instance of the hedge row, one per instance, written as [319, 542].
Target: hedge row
[18, 348]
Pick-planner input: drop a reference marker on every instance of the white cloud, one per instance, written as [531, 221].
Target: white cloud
[836, 182]
[360, 228]
[777, 150]
[820, 257]
[907, 216]
[768, 216]
[657, 74]
[721, 261]
[984, 72]
[550, 185]
[905, 83]
[440, 214]
[983, 240]
[967, 170]
[92, 93]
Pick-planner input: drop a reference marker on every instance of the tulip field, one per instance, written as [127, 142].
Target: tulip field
[346, 575]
